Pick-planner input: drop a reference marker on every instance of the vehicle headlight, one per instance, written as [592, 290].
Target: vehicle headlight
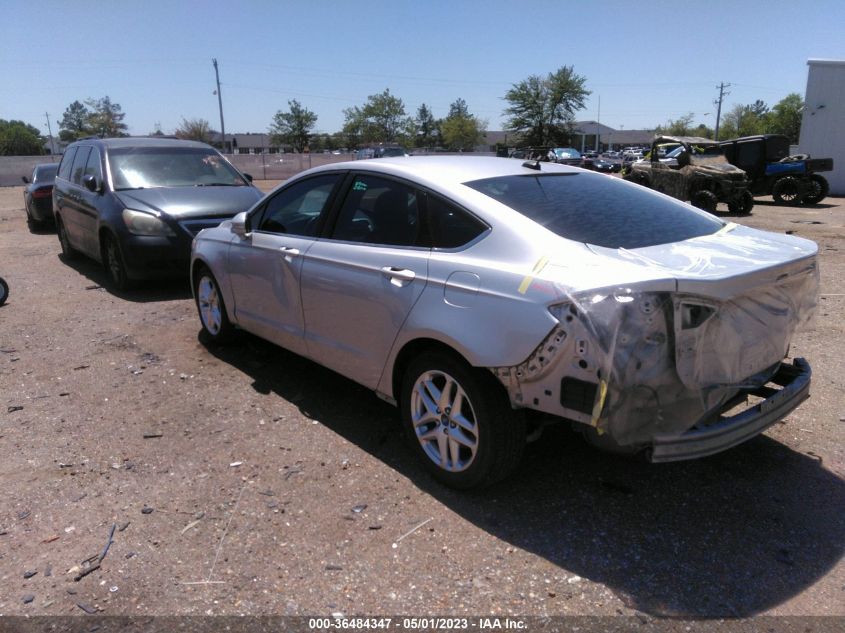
[140, 223]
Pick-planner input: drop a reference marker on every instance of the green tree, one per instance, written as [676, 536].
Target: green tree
[461, 130]
[744, 120]
[194, 130]
[425, 130]
[74, 122]
[380, 120]
[106, 118]
[20, 139]
[682, 126]
[785, 117]
[293, 127]
[542, 108]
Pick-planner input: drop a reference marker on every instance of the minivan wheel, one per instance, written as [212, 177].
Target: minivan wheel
[460, 422]
[4, 291]
[211, 308]
[67, 250]
[114, 263]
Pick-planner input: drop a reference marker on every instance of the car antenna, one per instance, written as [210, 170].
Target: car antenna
[535, 164]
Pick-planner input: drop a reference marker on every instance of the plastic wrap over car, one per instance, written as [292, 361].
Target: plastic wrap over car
[639, 362]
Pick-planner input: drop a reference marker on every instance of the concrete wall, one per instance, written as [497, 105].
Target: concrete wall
[823, 120]
[13, 167]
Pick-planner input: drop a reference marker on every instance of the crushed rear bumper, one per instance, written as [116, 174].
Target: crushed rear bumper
[725, 432]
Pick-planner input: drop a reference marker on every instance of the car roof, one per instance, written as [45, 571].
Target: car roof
[449, 170]
[141, 141]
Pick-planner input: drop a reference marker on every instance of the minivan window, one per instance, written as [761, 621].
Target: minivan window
[92, 167]
[598, 210]
[67, 162]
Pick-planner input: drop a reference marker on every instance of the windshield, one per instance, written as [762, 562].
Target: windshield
[146, 167]
[567, 152]
[598, 210]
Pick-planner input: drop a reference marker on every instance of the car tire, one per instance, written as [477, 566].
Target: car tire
[4, 291]
[743, 204]
[68, 251]
[113, 262]
[211, 307]
[818, 190]
[787, 191]
[704, 200]
[475, 446]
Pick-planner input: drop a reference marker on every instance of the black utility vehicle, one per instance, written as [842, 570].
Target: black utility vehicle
[789, 179]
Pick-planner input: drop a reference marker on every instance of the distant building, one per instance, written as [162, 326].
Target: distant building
[583, 137]
[823, 119]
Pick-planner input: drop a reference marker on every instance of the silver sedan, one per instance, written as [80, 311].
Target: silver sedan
[489, 297]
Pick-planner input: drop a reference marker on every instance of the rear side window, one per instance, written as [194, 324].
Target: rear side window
[449, 226]
[379, 211]
[598, 210]
[67, 163]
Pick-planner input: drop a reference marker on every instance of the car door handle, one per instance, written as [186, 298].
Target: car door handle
[288, 251]
[399, 273]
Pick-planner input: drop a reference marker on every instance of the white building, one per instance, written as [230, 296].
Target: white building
[823, 120]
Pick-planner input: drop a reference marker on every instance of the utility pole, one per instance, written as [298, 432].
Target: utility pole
[718, 103]
[220, 104]
[50, 131]
[598, 128]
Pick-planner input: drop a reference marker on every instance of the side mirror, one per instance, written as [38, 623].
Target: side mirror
[25, 179]
[239, 227]
[90, 183]
[248, 177]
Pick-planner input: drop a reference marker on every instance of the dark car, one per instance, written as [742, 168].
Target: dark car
[135, 204]
[602, 165]
[38, 195]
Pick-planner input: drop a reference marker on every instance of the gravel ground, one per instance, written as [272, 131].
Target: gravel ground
[247, 480]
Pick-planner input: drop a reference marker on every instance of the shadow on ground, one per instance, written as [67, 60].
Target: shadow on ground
[141, 292]
[727, 536]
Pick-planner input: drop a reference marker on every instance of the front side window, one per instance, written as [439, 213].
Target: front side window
[379, 211]
[598, 210]
[148, 167]
[296, 210]
[92, 167]
[79, 165]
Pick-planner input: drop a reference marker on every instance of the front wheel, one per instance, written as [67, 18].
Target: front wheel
[704, 200]
[210, 306]
[114, 263]
[787, 191]
[818, 190]
[4, 291]
[460, 422]
[742, 204]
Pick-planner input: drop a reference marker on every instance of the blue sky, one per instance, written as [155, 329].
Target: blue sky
[647, 60]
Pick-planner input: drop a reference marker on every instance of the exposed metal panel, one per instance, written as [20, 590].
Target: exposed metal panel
[823, 120]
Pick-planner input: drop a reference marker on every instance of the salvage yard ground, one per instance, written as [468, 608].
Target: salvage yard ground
[247, 480]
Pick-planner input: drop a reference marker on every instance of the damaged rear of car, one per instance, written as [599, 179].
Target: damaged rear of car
[671, 332]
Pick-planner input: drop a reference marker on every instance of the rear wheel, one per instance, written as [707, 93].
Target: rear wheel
[818, 190]
[787, 191]
[4, 291]
[210, 306]
[114, 263]
[704, 200]
[67, 250]
[460, 422]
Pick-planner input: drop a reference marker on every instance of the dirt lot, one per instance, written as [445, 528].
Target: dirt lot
[248, 480]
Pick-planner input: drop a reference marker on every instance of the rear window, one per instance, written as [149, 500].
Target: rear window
[44, 172]
[598, 210]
